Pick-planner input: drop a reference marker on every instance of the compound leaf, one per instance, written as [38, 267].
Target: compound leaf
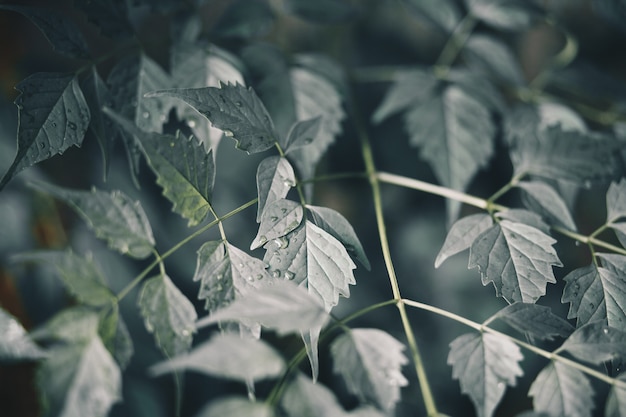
[562, 391]
[168, 314]
[596, 343]
[484, 364]
[537, 321]
[234, 109]
[304, 398]
[236, 406]
[274, 179]
[461, 235]
[517, 258]
[113, 216]
[544, 199]
[231, 356]
[15, 344]
[616, 401]
[53, 116]
[370, 362]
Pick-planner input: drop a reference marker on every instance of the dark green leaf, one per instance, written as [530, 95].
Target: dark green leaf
[15, 344]
[53, 116]
[236, 406]
[461, 235]
[62, 33]
[115, 336]
[322, 11]
[534, 320]
[111, 16]
[444, 13]
[495, 58]
[113, 217]
[370, 362]
[228, 355]
[544, 199]
[517, 258]
[274, 179]
[562, 391]
[504, 14]
[168, 314]
[616, 401]
[279, 219]
[616, 201]
[304, 398]
[596, 343]
[484, 364]
[302, 134]
[246, 19]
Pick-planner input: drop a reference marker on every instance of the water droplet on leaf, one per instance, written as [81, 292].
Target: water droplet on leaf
[290, 275]
[146, 115]
[276, 273]
[72, 125]
[228, 133]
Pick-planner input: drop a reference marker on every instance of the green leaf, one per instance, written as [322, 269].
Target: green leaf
[79, 274]
[64, 36]
[370, 362]
[304, 398]
[235, 110]
[544, 199]
[303, 133]
[596, 343]
[53, 116]
[534, 320]
[115, 336]
[461, 235]
[236, 406]
[525, 217]
[313, 255]
[77, 325]
[322, 11]
[616, 401]
[274, 179]
[15, 344]
[443, 13]
[113, 216]
[283, 306]
[495, 58]
[228, 355]
[80, 379]
[484, 364]
[168, 314]
[337, 225]
[504, 14]
[517, 258]
[616, 201]
[279, 219]
[562, 391]
[110, 16]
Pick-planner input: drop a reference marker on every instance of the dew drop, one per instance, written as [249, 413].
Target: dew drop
[220, 276]
[577, 243]
[163, 118]
[276, 273]
[191, 123]
[262, 239]
[172, 144]
[249, 278]
[72, 125]
[228, 132]
[240, 265]
[238, 103]
[290, 275]
[274, 218]
[500, 385]
[146, 115]
[185, 332]
[42, 145]
[259, 277]
[605, 330]
[53, 124]
[283, 210]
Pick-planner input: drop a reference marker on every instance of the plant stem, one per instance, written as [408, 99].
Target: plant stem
[455, 43]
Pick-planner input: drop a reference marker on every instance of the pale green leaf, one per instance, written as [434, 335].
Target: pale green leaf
[53, 116]
[484, 364]
[278, 219]
[616, 401]
[616, 201]
[444, 13]
[283, 306]
[313, 255]
[322, 11]
[461, 235]
[234, 109]
[562, 391]
[620, 231]
[110, 16]
[596, 343]
[115, 336]
[370, 362]
[526, 217]
[302, 134]
[168, 314]
[534, 320]
[15, 344]
[504, 14]
[113, 216]
[543, 199]
[236, 407]
[479, 87]
[494, 57]
[228, 355]
[79, 274]
[76, 325]
[274, 179]
[517, 258]
[304, 398]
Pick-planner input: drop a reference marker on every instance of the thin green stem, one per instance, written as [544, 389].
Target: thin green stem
[334, 177]
[588, 240]
[505, 189]
[455, 44]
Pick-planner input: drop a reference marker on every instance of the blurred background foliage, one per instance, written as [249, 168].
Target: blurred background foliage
[370, 33]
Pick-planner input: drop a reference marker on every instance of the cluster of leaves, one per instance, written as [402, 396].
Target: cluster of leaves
[456, 111]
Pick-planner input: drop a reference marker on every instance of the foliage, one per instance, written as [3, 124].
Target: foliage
[221, 272]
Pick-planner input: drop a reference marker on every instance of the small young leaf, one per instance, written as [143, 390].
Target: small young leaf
[274, 179]
[283, 306]
[15, 344]
[80, 275]
[302, 134]
[53, 116]
[534, 320]
[228, 355]
[337, 225]
[517, 258]
[444, 13]
[62, 33]
[562, 391]
[115, 336]
[236, 406]
[322, 11]
[484, 364]
[616, 201]
[370, 362]
[168, 314]
[543, 199]
[111, 16]
[494, 57]
[279, 219]
[504, 14]
[113, 217]
[235, 110]
[616, 401]
[461, 235]
[596, 343]
[304, 398]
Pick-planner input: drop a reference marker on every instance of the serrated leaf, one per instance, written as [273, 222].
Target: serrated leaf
[77, 325]
[616, 401]
[115, 336]
[444, 13]
[53, 116]
[596, 343]
[79, 274]
[312, 254]
[283, 306]
[525, 217]
[461, 235]
[228, 355]
[80, 380]
[110, 16]
[370, 362]
[236, 406]
[64, 36]
[544, 200]
[168, 314]
[337, 225]
[15, 344]
[322, 11]
[302, 133]
[494, 57]
[504, 14]
[279, 219]
[484, 364]
[113, 216]
[616, 201]
[235, 110]
[304, 398]
[534, 320]
[274, 179]
[562, 391]
[517, 258]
